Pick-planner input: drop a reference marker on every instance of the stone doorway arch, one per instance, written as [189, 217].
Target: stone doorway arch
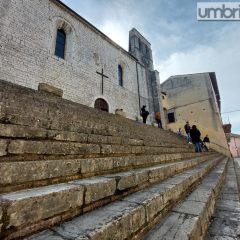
[101, 104]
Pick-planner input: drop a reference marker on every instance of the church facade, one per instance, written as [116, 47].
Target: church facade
[45, 42]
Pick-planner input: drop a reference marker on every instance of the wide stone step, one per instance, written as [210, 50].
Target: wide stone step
[26, 132]
[190, 219]
[14, 147]
[42, 110]
[225, 223]
[17, 175]
[26, 107]
[30, 206]
[123, 219]
[57, 117]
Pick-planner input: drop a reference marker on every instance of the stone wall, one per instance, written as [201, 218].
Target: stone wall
[28, 35]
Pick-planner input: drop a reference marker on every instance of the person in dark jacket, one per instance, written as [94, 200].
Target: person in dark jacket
[144, 114]
[196, 138]
[187, 130]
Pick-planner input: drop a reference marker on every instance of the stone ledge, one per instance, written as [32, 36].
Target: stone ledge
[26, 132]
[40, 203]
[44, 87]
[51, 148]
[96, 188]
[18, 175]
[75, 148]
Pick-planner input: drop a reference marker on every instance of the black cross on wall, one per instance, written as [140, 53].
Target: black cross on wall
[101, 73]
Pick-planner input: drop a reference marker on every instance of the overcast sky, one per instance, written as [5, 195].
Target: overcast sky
[180, 43]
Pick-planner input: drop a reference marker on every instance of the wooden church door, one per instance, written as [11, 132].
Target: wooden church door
[101, 104]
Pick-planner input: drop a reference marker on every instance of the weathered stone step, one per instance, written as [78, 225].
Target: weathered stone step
[25, 174]
[122, 219]
[225, 223]
[27, 107]
[25, 132]
[30, 206]
[190, 219]
[51, 148]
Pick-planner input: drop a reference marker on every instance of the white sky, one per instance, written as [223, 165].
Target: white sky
[180, 43]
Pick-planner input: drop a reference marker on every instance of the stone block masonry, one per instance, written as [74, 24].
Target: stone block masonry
[28, 37]
[3, 147]
[50, 89]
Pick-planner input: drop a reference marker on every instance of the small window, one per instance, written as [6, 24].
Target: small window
[171, 117]
[60, 43]
[120, 75]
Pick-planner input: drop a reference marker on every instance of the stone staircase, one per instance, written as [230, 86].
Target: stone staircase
[72, 172]
[190, 218]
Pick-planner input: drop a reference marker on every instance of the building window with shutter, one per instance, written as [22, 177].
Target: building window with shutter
[120, 75]
[60, 43]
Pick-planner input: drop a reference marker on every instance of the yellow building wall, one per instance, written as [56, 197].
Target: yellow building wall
[197, 106]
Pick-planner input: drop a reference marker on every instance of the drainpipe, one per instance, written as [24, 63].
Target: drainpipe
[139, 103]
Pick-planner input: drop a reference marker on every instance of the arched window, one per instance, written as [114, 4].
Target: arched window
[60, 43]
[120, 75]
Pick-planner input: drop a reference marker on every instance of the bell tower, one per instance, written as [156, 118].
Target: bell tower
[140, 48]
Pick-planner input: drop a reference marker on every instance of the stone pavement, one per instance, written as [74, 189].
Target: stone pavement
[225, 224]
[237, 160]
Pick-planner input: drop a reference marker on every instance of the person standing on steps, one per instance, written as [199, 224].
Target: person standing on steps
[187, 130]
[158, 119]
[196, 138]
[144, 114]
